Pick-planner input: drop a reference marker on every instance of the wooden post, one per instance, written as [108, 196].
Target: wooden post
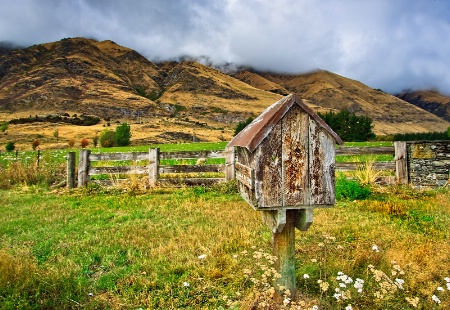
[38, 158]
[230, 173]
[284, 250]
[83, 168]
[71, 170]
[153, 166]
[401, 162]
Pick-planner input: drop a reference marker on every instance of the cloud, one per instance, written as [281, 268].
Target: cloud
[386, 44]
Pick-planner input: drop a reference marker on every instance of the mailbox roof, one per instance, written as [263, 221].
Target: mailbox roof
[252, 135]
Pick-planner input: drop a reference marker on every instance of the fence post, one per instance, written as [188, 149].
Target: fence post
[229, 163]
[153, 166]
[83, 168]
[38, 157]
[71, 170]
[401, 162]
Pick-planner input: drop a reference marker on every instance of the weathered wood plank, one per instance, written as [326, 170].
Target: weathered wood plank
[191, 168]
[268, 172]
[295, 157]
[83, 167]
[375, 150]
[191, 181]
[71, 170]
[192, 154]
[351, 166]
[230, 158]
[118, 156]
[153, 166]
[401, 163]
[321, 165]
[118, 170]
[245, 175]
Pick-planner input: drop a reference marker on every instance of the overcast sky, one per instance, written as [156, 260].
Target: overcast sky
[387, 44]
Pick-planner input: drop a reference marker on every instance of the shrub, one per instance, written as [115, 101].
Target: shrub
[448, 132]
[35, 144]
[350, 189]
[123, 134]
[84, 142]
[95, 141]
[4, 126]
[10, 146]
[71, 142]
[107, 138]
[56, 134]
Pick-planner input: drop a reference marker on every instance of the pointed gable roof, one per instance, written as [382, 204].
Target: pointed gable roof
[252, 135]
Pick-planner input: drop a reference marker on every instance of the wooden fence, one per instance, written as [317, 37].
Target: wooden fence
[150, 163]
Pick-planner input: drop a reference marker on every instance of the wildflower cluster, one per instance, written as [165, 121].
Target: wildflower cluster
[386, 286]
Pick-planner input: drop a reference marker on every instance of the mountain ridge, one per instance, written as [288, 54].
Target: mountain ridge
[115, 83]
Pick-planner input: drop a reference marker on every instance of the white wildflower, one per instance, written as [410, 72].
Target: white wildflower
[440, 288]
[186, 284]
[375, 248]
[306, 276]
[203, 256]
[337, 296]
[399, 283]
[436, 299]
[349, 307]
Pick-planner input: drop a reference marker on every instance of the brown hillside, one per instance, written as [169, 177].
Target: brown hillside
[429, 100]
[168, 102]
[331, 91]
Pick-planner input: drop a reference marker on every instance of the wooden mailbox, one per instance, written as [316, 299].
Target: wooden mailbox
[285, 168]
[286, 160]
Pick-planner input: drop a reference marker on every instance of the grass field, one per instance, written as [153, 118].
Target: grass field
[199, 248]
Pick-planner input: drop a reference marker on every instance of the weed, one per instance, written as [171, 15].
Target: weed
[350, 189]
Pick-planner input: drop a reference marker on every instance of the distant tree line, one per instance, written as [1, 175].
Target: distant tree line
[82, 120]
[349, 126]
[422, 136]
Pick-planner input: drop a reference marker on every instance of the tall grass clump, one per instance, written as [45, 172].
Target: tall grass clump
[32, 171]
[350, 189]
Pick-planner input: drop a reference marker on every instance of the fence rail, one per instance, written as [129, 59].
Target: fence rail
[151, 163]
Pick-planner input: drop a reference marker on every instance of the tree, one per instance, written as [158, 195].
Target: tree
[56, 134]
[71, 142]
[349, 126]
[241, 125]
[10, 146]
[107, 138]
[35, 144]
[123, 134]
[84, 142]
[448, 132]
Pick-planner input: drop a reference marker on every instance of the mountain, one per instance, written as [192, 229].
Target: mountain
[429, 100]
[171, 101]
[329, 91]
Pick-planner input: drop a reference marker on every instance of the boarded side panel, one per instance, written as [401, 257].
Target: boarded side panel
[247, 193]
[295, 157]
[268, 157]
[321, 165]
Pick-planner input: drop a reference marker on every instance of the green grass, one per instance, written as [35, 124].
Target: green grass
[96, 248]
